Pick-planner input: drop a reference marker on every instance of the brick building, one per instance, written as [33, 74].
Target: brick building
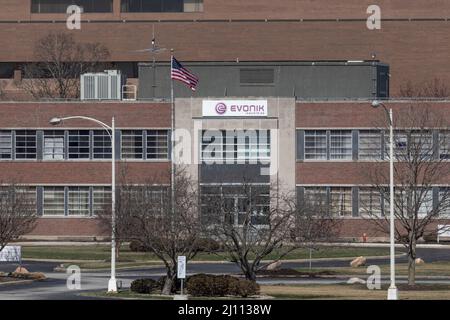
[320, 142]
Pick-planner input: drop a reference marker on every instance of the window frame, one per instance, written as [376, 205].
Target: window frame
[26, 135]
[305, 148]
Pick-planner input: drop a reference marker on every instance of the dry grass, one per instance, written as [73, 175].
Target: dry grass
[354, 292]
[427, 269]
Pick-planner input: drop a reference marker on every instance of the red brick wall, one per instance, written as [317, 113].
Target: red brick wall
[260, 9]
[416, 51]
[362, 115]
[127, 115]
[69, 228]
[353, 229]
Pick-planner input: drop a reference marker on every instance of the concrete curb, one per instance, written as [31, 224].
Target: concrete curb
[16, 282]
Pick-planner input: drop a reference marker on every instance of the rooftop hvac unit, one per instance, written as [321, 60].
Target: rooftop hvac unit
[101, 86]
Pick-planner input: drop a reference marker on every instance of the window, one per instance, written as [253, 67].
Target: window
[132, 144]
[407, 200]
[162, 6]
[236, 204]
[370, 202]
[101, 145]
[5, 144]
[101, 200]
[444, 201]
[421, 145]
[411, 145]
[25, 144]
[426, 203]
[444, 145]
[369, 145]
[78, 201]
[53, 201]
[315, 196]
[341, 145]
[257, 76]
[53, 145]
[79, 142]
[29, 196]
[22, 197]
[316, 144]
[400, 145]
[231, 146]
[341, 201]
[157, 144]
[60, 6]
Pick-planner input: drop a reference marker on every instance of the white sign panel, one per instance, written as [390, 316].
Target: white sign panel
[235, 108]
[181, 271]
[11, 254]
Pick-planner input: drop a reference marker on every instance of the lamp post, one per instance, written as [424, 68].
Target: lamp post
[112, 284]
[392, 291]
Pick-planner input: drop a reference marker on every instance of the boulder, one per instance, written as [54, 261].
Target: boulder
[356, 280]
[274, 265]
[419, 261]
[358, 262]
[21, 270]
[60, 268]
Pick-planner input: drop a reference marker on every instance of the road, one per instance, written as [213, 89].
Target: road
[55, 288]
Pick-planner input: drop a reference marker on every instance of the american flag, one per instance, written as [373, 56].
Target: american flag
[180, 73]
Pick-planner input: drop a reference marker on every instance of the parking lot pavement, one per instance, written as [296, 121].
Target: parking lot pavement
[55, 287]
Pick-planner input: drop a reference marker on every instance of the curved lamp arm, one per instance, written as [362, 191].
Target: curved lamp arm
[376, 104]
[104, 125]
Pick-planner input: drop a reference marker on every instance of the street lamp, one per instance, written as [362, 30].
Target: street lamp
[112, 284]
[392, 291]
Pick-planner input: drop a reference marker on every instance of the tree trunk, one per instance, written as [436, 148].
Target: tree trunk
[248, 272]
[412, 263]
[117, 250]
[169, 283]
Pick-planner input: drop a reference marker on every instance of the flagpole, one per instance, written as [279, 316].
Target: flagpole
[172, 145]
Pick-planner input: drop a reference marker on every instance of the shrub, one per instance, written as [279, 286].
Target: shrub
[207, 245]
[145, 286]
[176, 285]
[216, 286]
[244, 288]
[136, 246]
[200, 285]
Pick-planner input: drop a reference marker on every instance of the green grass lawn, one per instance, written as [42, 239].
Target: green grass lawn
[103, 252]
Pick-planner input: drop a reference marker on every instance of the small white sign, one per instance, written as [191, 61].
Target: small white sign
[11, 254]
[235, 108]
[181, 271]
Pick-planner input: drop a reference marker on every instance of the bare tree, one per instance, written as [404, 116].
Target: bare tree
[435, 88]
[166, 230]
[123, 218]
[254, 221]
[60, 61]
[419, 167]
[17, 213]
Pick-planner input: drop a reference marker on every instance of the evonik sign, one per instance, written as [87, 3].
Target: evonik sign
[234, 108]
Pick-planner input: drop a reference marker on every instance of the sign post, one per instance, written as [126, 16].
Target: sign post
[11, 254]
[181, 270]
